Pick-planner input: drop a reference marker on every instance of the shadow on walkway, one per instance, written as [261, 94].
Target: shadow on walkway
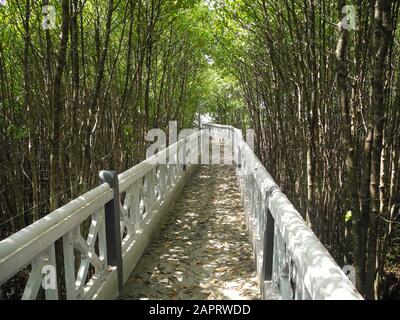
[203, 251]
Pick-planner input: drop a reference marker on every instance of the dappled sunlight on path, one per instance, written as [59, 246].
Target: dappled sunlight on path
[203, 252]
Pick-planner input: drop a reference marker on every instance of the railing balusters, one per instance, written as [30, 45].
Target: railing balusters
[69, 265]
[150, 190]
[35, 279]
[136, 213]
[144, 197]
[51, 292]
[275, 260]
[45, 259]
[163, 180]
[100, 217]
[157, 177]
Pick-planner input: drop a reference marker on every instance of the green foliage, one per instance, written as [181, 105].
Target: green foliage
[348, 216]
[17, 133]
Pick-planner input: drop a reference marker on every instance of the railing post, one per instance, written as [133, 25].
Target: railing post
[112, 221]
[237, 151]
[268, 247]
[184, 155]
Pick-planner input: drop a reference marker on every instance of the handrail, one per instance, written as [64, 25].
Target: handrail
[287, 251]
[142, 195]
[24, 245]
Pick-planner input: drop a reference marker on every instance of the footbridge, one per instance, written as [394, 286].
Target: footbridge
[177, 227]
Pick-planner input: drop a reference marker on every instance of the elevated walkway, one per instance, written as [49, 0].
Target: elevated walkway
[229, 233]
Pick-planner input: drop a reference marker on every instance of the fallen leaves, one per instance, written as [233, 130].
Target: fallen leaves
[203, 252]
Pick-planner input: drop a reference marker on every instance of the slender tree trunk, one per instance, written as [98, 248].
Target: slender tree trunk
[96, 93]
[31, 117]
[380, 46]
[75, 149]
[57, 108]
[312, 122]
[351, 179]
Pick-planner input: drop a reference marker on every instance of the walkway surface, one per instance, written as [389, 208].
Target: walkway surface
[203, 251]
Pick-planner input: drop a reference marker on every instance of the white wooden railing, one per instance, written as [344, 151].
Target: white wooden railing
[127, 209]
[288, 255]
[124, 212]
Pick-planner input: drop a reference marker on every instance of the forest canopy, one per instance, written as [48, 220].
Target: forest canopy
[82, 81]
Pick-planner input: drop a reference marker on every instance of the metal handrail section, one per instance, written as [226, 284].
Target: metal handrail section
[289, 257]
[121, 217]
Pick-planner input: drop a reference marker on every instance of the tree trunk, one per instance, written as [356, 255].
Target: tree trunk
[350, 191]
[57, 108]
[380, 46]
